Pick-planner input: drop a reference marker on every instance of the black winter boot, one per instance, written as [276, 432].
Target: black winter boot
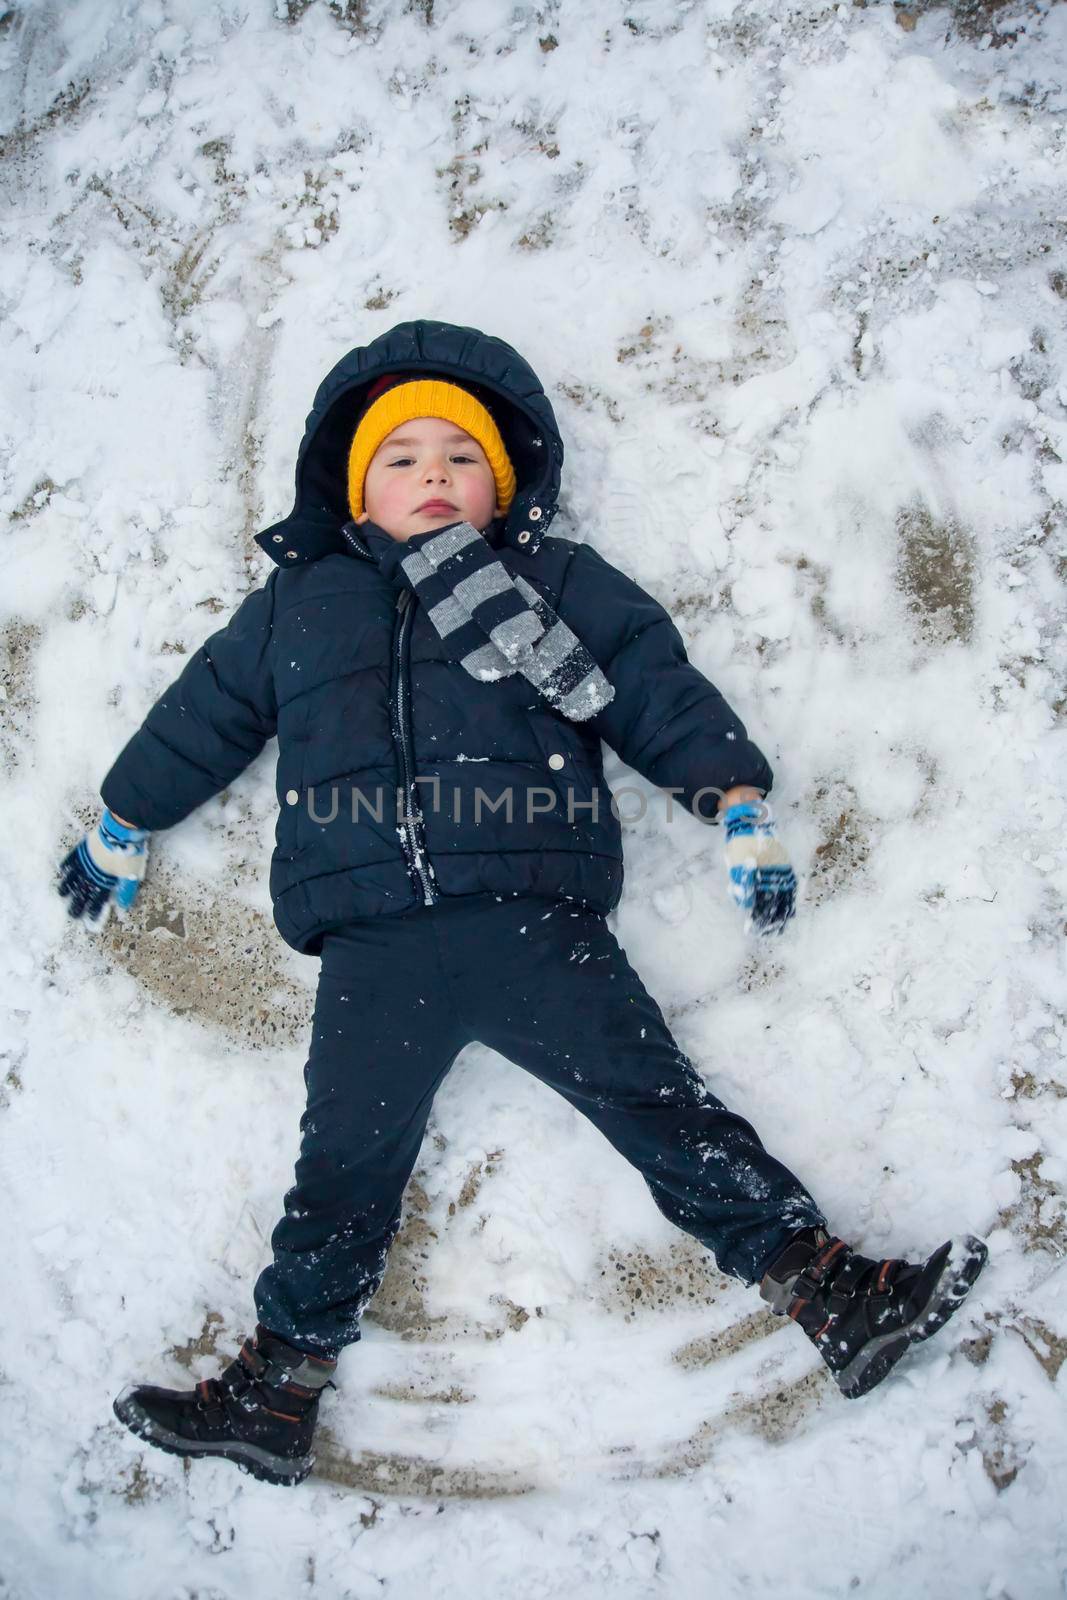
[259, 1413]
[861, 1315]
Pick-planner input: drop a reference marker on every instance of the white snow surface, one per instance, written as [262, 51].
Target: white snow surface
[795, 280]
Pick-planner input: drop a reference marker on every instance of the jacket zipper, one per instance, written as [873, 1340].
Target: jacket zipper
[412, 820]
[412, 814]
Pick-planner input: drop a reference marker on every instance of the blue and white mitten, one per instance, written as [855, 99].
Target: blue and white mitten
[107, 866]
[762, 882]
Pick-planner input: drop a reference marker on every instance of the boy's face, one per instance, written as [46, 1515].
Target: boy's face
[423, 461]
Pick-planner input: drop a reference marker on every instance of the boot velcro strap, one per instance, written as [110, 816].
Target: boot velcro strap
[313, 1374]
[887, 1276]
[807, 1283]
[210, 1398]
[308, 1373]
[845, 1283]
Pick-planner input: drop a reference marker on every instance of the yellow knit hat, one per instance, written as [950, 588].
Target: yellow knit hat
[427, 397]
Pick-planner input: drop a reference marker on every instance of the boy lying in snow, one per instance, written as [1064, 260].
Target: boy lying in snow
[440, 674]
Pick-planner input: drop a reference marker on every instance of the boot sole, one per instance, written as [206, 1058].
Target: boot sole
[250, 1458]
[953, 1284]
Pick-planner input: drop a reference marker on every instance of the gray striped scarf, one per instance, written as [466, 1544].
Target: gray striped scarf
[496, 625]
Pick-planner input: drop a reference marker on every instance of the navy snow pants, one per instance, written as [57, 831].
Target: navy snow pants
[548, 986]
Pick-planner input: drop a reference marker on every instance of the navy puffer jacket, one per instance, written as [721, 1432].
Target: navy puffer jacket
[384, 742]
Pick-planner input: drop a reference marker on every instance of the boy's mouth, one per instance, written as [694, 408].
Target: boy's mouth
[433, 507]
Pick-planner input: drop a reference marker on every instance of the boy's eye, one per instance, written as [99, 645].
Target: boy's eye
[402, 461]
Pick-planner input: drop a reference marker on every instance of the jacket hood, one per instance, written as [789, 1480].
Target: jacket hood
[495, 372]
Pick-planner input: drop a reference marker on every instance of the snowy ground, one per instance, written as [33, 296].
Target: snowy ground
[795, 279]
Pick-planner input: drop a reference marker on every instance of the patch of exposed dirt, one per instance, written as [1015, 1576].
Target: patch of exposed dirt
[317, 206]
[204, 1344]
[1033, 370]
[935, 573]
[641, 28]
[461, 175]
[633, 1280]
[540, 235]
[978, 1349]
[374, 1472]
[763, 340]
[758, 970]
[215, 961]
[35, 501]
[19, 641]
[969, 19]
[179, 259]
[702, 1351]
[1002, 1453]
[1039, 1216]
[696, 603]
[189, 276]
[410, 1392]
[381, 299]
[132, 1479]
[354, 16]
[813, 580]
[844, 840]
[64, 108]
[681, 376]
[138, 1486]
[643, 342]
[588, 398]
[775, 1416]
[539, 135]
[142, 224]
[399, 1304]
[1025, 1086]
[676, 373]
[472, 1183]
[1049, 1349]
[11, 1063]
